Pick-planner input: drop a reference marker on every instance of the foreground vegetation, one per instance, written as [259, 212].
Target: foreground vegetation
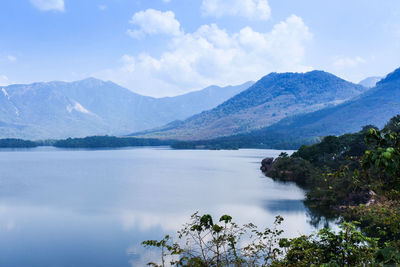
[201, 242]
[354, 176]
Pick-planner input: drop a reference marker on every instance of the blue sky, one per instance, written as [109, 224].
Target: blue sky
[161, 47]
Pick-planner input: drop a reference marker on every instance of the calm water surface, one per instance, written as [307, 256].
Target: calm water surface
[94, 207]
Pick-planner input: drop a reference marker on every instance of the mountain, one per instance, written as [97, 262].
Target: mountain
[95, 107]
[375, 107]
[370, 81]
[271, 99]
[183, 106]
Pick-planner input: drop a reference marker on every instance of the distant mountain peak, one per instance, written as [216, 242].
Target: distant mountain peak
[391, 77]
[310, 74]
[91, 81]
[318, 72]
[370, 82]
[55, 83]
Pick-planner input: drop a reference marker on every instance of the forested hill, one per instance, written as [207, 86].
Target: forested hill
[375, 107]
[269, 100]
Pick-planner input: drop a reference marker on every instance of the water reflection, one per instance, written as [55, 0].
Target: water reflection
[285, 205]
[93, 208]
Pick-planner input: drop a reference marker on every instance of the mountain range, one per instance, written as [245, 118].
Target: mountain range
[95, 107]
[279, 110]
[271, 99]
[374, 107]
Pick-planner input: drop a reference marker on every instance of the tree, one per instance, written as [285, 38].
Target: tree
[205, 243]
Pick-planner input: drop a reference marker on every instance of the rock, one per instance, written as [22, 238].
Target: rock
[360, 197]
[266, 164]
[372, 199]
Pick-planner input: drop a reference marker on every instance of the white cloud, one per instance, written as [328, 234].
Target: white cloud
[211, 55]
[11, 58]
[46, 5]
[128, 63]
[251, 9]
[341, 62]
[154, 22]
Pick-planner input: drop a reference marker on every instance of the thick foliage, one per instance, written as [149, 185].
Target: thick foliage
[108, 141]
[346, 170]
[348, 247]
[324, 169]
[16, 143]
[205, 243]
[333, 151]
[293, 169]
[361, 186]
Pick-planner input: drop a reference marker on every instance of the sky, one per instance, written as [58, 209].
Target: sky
[170, 47]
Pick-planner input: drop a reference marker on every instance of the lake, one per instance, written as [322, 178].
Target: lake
[94, 207]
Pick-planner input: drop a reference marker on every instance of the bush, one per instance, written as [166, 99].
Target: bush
[205, 243]
[292, 169]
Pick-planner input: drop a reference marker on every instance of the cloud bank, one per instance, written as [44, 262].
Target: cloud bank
[152, 22]
[209, 55]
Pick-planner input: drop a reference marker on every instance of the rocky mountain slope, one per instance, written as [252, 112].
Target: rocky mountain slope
[95, 107]
[375, 107]
[271, 99]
